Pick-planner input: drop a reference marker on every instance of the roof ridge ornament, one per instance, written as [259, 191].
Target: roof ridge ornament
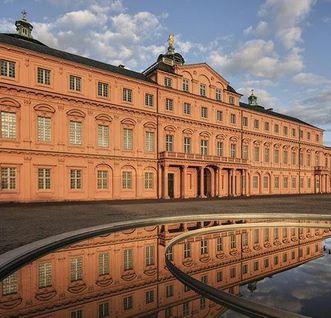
[23, 26]
[252, 99]
[171, 42]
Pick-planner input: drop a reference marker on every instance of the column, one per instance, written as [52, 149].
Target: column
[202, 183]
[216, 183]
[234, 192]
[248, 184]
[219, 182]
[165, 182]
[230, 187]
[212, 183]
[243, 182]
[183, 182]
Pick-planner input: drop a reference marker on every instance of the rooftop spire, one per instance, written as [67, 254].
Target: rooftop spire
[171, 41]
[252, 99]
[23, 26]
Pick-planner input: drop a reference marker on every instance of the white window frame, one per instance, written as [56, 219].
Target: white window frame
[8, 125]
[127, 138]
[44, 178]
[7, 68]
[44, 129]
[103, 89]
[75, 132]
[75, 83]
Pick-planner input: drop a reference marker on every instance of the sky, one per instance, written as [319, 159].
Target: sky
[279, 48]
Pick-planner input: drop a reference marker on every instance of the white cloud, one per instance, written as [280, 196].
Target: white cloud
[7, 26]
[262, 29]
[81, 19]
[310, 79]
[264, 98]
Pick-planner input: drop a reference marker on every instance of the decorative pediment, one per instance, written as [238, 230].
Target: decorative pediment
[233, 139]
[277, 146]
[188, 131]
[150, 125]
[5, 101]
[294, 148]
[309, 150]
[44, 108]
[246, 141]
[128, 122]
[257, 142]
[170, 128]
[205, 134]
[286, 147]
[75, 113]
[267, 144]
[103, 117]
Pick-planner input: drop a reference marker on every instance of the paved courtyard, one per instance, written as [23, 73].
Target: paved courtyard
[23, 223]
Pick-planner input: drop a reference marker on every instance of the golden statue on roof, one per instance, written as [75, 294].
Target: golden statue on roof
[171, 40]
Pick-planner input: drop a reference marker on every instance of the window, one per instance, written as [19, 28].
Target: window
[233, 243]
[75, 132]
[219, 276]
[149, 100]
[256, 124]
[218, 94]
[103, 264]
[149, 180]
[266, 154]
[308, 135]
[276, 129]
[204, 147]
[187, 249]
[75, 179]
[219, 244]
[127, 302]
[187, 145]
[265, 182]
[126, 180]
[75, 83]
[293, 132]
[128, 138]
[256, 236]
[301, 158]
[219, 115]
[204, 112]
[202, 90]
[149, 296]
[149, 255]
[103, 136]
[8, 178]
[293, 182]
[169, 143]
[45, 275]
[232, 118]
[186, 308]
[204, 279]
[301, 133]
[44, 129]
[169, 104]
[276, 156]
[255, 182]
[8, 125]
[266, 263]
[266, 126]
[102, 179]
[185, 85]
[9, 285]
[285, 131]
[168, 312]
[256, 153]
[285, 182]
[232, 272]
[317, 138]
[76, 314]
[245, 269]
[169, 254]
[245, 152]
[149, 141]
[43, 76]
[231, 100]
[293, 156]
[103, 89]
[276, 260]
[128, 259]
[276, 182]
[256, 266]
[245, 239]
[245, 121]
[187, 109]
[233, 150]
[219, 146]
[284, 257]
[266, 235]
[169, 290]
[127, 95]
[76, 268]
[202, 302]
[167, 82]
[103, 310]
[276, 233]
[308, 183]
[285, 157]
[203, 247]
[44, 179]
[7, 68]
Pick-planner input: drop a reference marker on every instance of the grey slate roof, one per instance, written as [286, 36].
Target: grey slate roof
[36, 46]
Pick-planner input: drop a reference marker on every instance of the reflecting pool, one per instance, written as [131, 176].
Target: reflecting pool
[124, 274]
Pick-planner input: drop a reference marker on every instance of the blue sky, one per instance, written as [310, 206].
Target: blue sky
[281, 48]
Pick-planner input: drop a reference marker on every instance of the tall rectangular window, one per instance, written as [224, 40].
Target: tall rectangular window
[276, 182]
[232, 119]
[104, 310]
[255, 182]
[187, 145]
[285, 131]
[8, 178]
[185, 85]
[149, 100]
[276, 129]
[219, 115]
[75, 132]
[203, 247]
[187, 249]
[126, 180]
[204, 112]
[187, 109]
[293, 156]
[266, 154]
[256, 124]
[44, 129]
[186, 308]
[265, 182]
[45, 275]
[233, 150]
[202, 90]
[76, 314]
[103, 89]
[149, 259]
[127, 138]
[245, 239]
[103, 136]
[76, 268]
[285, 156]
[149, 296]
[218, 94]
[103, 264]
[8, 125]
[245, 121]
[127, 302]
[7, 68]
[231, 100]
[169, 104]
[266, 235]
[233, 242]
[256, 153]
[167, 82]
[170, 143]
[245, 152]
[219, 244]
[75, 83]
[102, 179]
[9, 285]
[266, 126]
[285, 182]
[128, 259]
[75, 179]
[204, 147]
[149, 141]
[127, 95]
[276, 155]
[294, 182]
[43, 76]
[169, 290]
[149, 180]
[44, 179]
[219, 146]
[293, 132]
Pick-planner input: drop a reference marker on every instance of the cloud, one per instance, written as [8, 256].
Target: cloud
[265, 99]
[261, 30]
[310, 79]
[7, 26]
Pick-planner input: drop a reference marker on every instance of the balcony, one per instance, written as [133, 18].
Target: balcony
[191, 156]
[320, 169]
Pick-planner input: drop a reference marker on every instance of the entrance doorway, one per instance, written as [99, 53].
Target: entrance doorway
[207, 182]
[171, 185]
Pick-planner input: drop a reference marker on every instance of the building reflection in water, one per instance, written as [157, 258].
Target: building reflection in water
[123, 274]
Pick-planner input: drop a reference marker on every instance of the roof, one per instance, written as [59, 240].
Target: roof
[261, 109]
[36, 46]
[232, 90]
[159, 66]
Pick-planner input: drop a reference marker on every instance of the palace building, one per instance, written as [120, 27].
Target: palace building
[73, 128]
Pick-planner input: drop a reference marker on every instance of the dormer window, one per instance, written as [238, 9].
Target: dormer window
[167, 82]
[202, 90]
[185, 85]
[7, 68]
[218, 94]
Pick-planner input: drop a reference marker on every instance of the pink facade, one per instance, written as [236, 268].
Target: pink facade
[77, 129]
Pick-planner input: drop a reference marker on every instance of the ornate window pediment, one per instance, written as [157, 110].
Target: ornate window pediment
[128, 122]
[188, 131]
[103, 117]
[205, 134]
[233, 139]
[246, 141]
[76, 113]
[44, 108]
[150, 125]
[5, 101]
[170, 128]
[277, 146]
[257, 142]
[220, 136]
